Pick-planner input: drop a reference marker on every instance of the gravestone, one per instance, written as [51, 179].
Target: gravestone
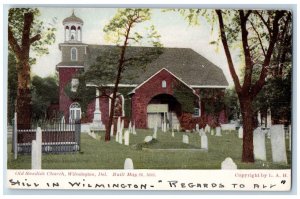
[112, 131]
[126, 138]
[259, 145]
[155, 132]
[204, 142]
[122, 125]
[36, 150]
[278, 144]
[121, 137]
[119, 124]
[128, 164]
[130, 127]
[241, 132]
[197, 127]
[185, 139]
[133, 130]
[178, 127]
[218, 131]
[117, 136]
[228, 164]
[173, 134]
[207, 128]
[201, 132]
[148, 139]
[212, 131]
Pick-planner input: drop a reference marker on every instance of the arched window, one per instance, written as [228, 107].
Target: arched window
[78, 33]
[73, 33]
[75, 112]
[119, 105]
[164, 84]
[67, 33]
[73, 54]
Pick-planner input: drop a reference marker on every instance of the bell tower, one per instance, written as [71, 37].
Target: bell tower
[73, 29]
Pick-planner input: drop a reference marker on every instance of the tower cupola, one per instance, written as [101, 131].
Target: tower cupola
[73, 29]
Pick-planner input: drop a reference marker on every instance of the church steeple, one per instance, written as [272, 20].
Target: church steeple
[73, 28]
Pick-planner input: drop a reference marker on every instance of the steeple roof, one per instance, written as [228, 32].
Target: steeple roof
[73, 19]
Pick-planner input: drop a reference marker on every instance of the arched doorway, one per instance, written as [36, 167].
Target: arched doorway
[163, 108]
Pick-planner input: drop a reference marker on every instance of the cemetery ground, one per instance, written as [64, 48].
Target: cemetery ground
[98, 154]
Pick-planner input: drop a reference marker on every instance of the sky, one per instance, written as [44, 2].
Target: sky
[174, 31]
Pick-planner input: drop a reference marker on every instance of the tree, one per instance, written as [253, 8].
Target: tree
[44, 93]
[12, 86]
[255, 33]
[25, 33]
[121, 31]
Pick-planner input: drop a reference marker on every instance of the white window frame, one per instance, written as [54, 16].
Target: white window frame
[199, 112]
[74, 111]
[74, 84]
[164, 84]
[76, 54]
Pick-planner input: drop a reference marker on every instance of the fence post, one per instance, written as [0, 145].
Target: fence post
[15, 137]
[77, 133]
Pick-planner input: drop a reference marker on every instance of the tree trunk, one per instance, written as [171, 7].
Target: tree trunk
[247, 116]
[23, 101]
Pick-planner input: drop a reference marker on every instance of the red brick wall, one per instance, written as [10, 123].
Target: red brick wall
[65, 76]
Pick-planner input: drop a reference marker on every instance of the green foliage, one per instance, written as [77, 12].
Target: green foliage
[185, 97]
[213, 100]
[231, 104]
[47, 31]
[84, 95]
[44, 93]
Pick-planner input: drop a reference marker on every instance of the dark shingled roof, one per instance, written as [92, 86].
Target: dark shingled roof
[186, 64]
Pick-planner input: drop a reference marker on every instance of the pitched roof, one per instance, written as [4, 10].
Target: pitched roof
[186, 64]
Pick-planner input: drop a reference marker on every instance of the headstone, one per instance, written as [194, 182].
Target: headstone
[112, 131]
[228, 164]
[173, 135]
[117, 136]
[121, 137]
[218, 131]
[122, 125]
[278, 144]
[290, 138]
[241, 132]
[119, 124]
[155, 132]
[201, 132]
[269, 119]
[133, 130]
[197, 127]
[207, 128]
[148, 139]
[204, 142]
[178, 127]
[36, 151]
[185, 139]
[259, 145]
[259, 118]
[212, 131]
[126, 136]
[130, 127]
[128, 164]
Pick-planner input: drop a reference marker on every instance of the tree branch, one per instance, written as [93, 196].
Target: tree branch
[264, 21]
[273, 39]
[258, 36]
[13, 43]
[35, 38]
[227, 52]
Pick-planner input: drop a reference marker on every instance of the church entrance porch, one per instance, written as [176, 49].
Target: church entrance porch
[163, 108]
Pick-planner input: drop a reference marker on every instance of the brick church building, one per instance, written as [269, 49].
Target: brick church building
[168, 89]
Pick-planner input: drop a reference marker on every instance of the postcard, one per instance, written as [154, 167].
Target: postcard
[149, 98]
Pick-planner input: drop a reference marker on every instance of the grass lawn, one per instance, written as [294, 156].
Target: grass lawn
[97, 154]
